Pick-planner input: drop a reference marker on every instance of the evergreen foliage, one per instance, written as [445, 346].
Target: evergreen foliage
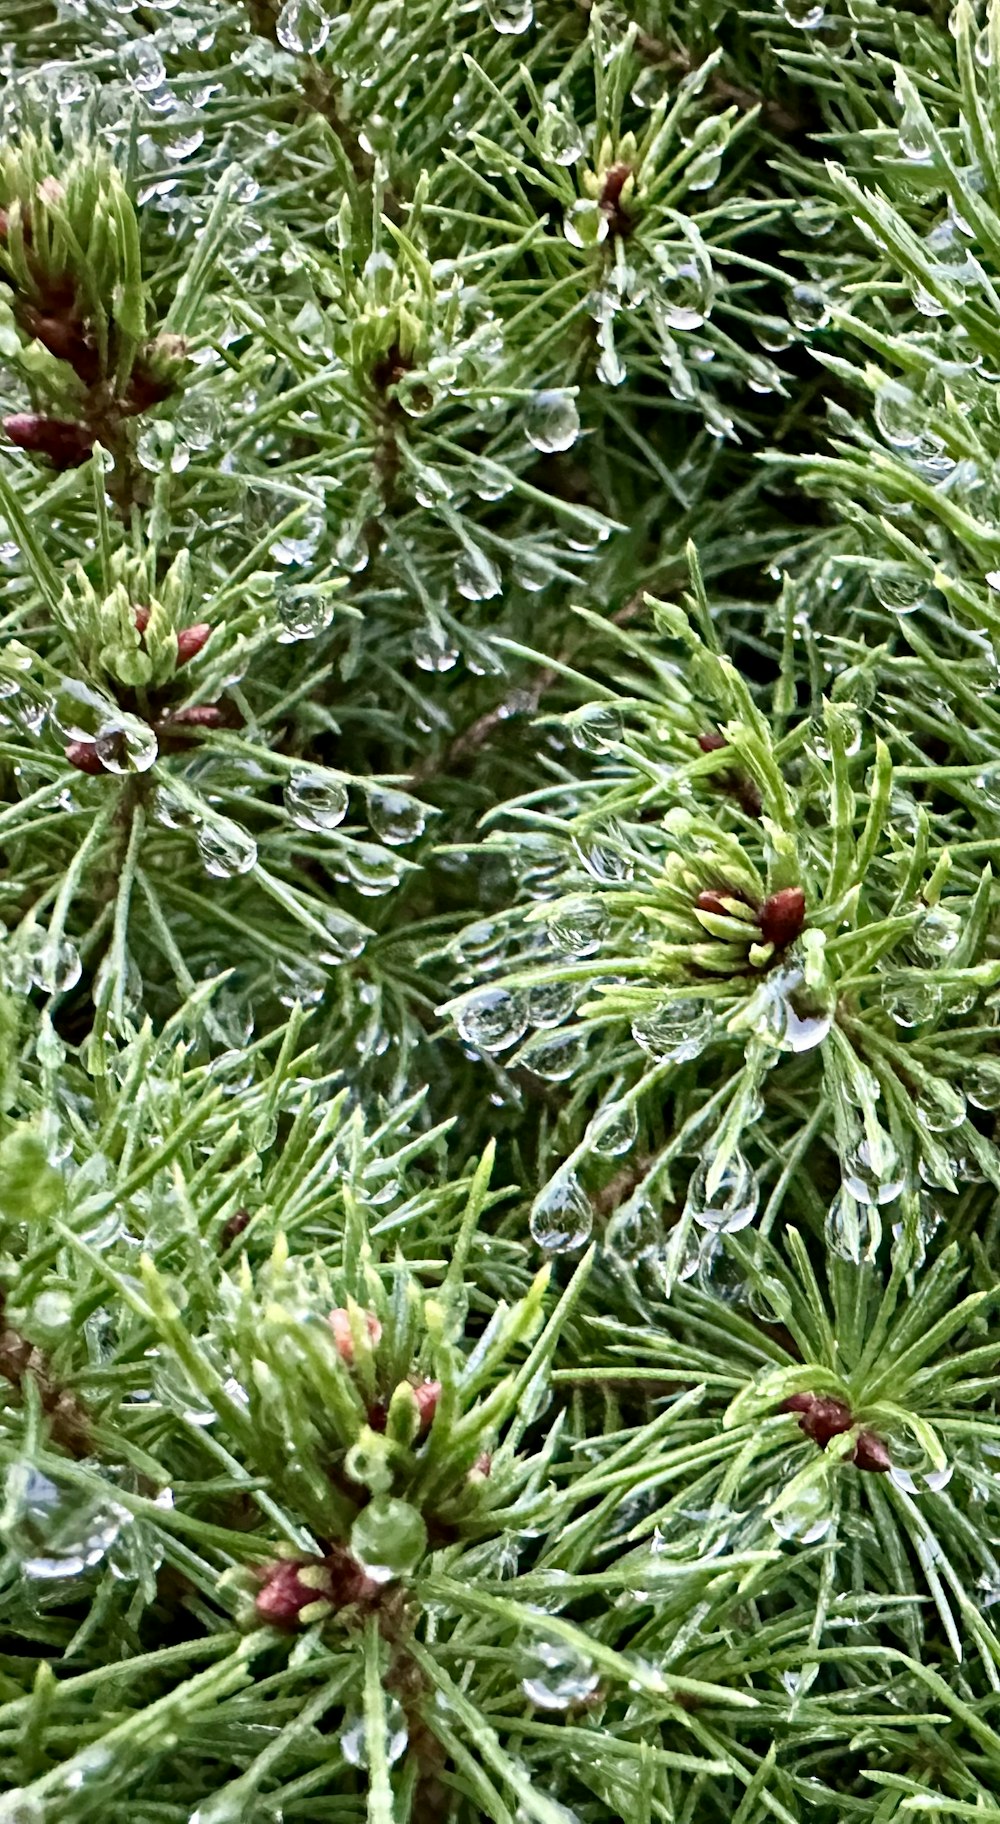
[500, 955]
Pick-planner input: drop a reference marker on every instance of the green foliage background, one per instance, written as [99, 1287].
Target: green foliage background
[500, 973]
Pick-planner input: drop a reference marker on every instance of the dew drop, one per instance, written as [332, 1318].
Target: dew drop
[805, 15]
[302, 27]
[555, 1056]
[874, 1178]
[394, 816]
[678, 1029]
[511, 17]
[354, 1735]
[853, 1230]
[585, 224]
[142, 64]
[476, 575]
[786, 1014]
[806, 1518]
[225, 847]
[732, 1202]
[562, 1216]
[940, 1106]
[808, 308]
[578, 927]
[559, 137]
[314, 801]
[552, 421]
[982, 1085]
[558, 1676]
[492, 1020]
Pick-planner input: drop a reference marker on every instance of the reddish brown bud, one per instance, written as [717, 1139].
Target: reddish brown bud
[85, 757]
[343, 1336]
[145, 389]
[710, 901]
[710, 744]
[141, 618]
[611, 198]
[871, 1454]
[64, 443]
[483, 1465]
[234, 1227]
[428, 1394]
[820, 1416]
[65, 337]
[782, 917]
[198, 715]
[190, 641]
[283, 1595]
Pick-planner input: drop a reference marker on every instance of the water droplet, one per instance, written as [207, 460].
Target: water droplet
[558, 1676]
[510, 16]
[808, 307]
[492, 1020]
[898, 588]
[432, 648]
[787, 1014]
[635, 1232]
[314, 801]
[476, 575]
[853, 1229]
[732, 1202]
[596, 727]
[805, 15]
[554, 1055]
[52, 964]
[302, 27]
[616, 1136]
[585, 224]
[899, 416]
[806, 1518]
[937, 935]
[552, 421]
[225, 847]
[58, 1530]
[559, 137]
[685, 287]
[982, 1085]
[940, 1106]
[394, 816]
[562, 1215]
[678, 1029]
[549, 1003]
[913, 1470]
[874, 1177]
[370, 870]
[578, 927]
[354, 1735]
[914, 1004]
[388, 1538]
[914, 141]
[142, 64]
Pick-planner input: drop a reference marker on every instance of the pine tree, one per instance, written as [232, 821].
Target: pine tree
[499, 971]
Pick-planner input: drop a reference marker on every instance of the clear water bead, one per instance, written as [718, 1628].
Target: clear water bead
[395, 817]
[226, 848]
[562, 1216]
[492, 1020]
[511, 17]
[806, 1518]
[552, 421]
[142, 64]
[559, 1676]
[678, 1029]
[724, 1202]
[302, 27]
[314, 801]
[354, 1735]
[476, 575]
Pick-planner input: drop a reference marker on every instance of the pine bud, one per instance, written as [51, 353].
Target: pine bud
[198, 715]
[611, 198]
[190, 641]
[820, 1416]
[64, 336]
[85, 757]
[65, 444]
[708, 901]
[343, 1336]
[428, 1394]
[234, 1227]
[288, 1588]
[710, 744]
[871, 1454]
[782, 917]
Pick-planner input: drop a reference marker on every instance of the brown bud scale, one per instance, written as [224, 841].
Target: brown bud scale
[782, 917]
